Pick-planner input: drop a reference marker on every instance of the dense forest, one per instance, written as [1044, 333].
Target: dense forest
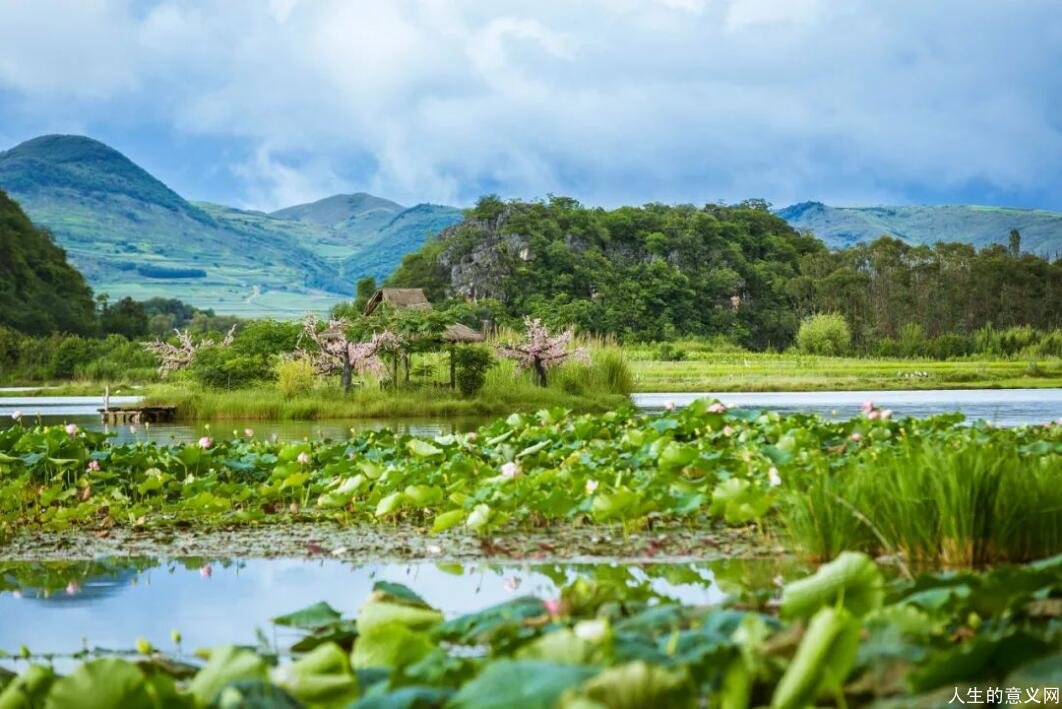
[39, 291]
[658, 271]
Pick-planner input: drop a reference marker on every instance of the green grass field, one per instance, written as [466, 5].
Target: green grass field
[746, 371]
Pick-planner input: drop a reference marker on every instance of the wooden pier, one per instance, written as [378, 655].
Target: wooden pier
[139, 414]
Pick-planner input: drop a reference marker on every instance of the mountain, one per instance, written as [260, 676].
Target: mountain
[1041, 230]
[131, 235]
[39, 291]
[379, 231]
[333, 211]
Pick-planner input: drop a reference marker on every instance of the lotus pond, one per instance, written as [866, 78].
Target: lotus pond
[481, 604]
[843, 635]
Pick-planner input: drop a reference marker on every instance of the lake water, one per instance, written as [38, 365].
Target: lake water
[1003, 407]
[51, 607]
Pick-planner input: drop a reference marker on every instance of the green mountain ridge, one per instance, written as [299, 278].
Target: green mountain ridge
[1041, 230]
[39, 291]
[131, 235]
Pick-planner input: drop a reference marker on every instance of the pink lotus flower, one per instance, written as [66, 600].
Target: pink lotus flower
[205, 442]
[511, 584]
[471, 436]
[553, 605]
[717, 407]
[304, 458]
[867, 406]
[857, 437]
[872, 414]
[591, 487]
[205, 571]
[73, 588]
[72, 429]
[669, 405]
[16, 415]
[248, 432]
[886, 414]
[727, 431]
[94, 465]
[510, 470]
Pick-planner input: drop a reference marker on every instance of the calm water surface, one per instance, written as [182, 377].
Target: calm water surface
[51, 606]
[1004, 407]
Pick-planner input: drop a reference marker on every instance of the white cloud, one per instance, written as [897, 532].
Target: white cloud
[613, 101]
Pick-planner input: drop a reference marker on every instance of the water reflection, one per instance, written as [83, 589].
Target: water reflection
[51, 607]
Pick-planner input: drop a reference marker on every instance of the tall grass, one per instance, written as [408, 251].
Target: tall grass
[601, 386]
[979, 503]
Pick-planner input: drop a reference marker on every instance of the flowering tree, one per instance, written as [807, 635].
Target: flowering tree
[174, 358]
[541, 351]
[335, 353]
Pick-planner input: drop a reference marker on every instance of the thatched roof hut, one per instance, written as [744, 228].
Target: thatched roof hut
[398, 298]
[458, 333]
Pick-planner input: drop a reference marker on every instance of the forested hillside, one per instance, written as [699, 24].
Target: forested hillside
[644, 272]
[740, 271]
[39, 291]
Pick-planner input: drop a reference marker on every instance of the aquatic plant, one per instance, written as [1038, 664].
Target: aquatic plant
[931, 490]
[844, 636]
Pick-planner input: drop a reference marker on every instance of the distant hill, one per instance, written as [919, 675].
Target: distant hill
[337, 209]
[380, 231]
[1041, 230]
[131, 235]
[39, 291]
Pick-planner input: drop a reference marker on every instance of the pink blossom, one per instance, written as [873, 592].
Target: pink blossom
[857, 436]
[16, 415]
[73, 588]
[872, 414]
[717, 407]
[867, 406]
[510, 470]
[248, 432]
[511, 584]
[205, 571]
[886, 414]
[727, 431]
[591, 486]
[471, 436]
[72, 429]
[541, 351]
[205, 442]
[553, 605]
[304, 458]
[94, 465]
[669, 405]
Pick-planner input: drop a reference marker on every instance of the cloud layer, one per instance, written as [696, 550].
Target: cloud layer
[611, 101]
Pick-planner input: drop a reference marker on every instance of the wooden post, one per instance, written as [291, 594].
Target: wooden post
[453, 368]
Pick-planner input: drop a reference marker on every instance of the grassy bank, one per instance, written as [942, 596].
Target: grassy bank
[751, 371]
[602, 386]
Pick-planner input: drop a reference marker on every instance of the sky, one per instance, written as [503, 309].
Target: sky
[267, 103]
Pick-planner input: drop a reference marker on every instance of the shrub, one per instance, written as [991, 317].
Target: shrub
[471, 365]
[824, 334]
[667, 352]
[295, 377]
[224, 368]
[266, 337]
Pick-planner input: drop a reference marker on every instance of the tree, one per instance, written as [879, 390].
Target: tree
[333, 352]
[127, 317]
[175, 357]
[1015, 243]
[540, 351]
